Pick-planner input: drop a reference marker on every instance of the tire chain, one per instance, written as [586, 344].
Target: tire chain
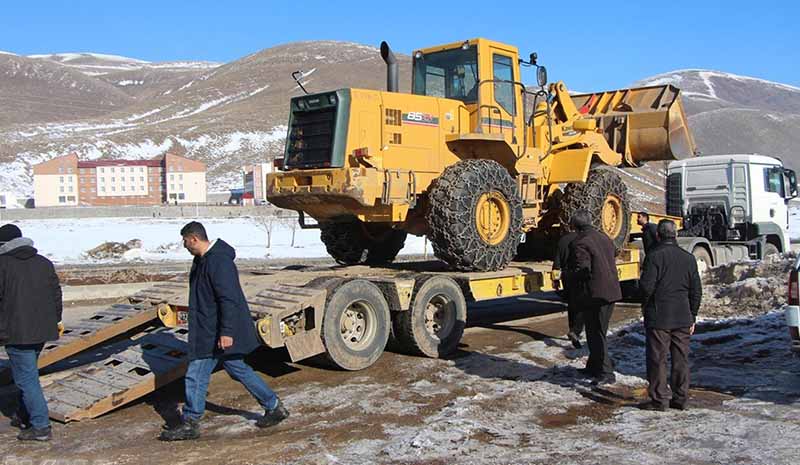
[451, 216]
[591, 196]
[347, 243]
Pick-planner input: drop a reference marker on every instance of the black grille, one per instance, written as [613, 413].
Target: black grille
[674, 194]
[311, 138]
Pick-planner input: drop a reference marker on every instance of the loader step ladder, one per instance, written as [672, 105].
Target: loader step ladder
[126, 370]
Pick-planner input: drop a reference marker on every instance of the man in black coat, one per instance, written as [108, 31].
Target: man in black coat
[574, 315]
[649, 234]
[30, 313]
[593, 277]
[221, 330]
[671, 295]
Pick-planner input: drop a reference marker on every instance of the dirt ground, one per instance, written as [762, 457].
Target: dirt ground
[510, 395]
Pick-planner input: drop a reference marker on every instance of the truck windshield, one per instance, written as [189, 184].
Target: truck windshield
[450, 74]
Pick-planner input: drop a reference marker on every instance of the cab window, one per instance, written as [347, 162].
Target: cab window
[504, 91]
[773, 180]
[449, 73]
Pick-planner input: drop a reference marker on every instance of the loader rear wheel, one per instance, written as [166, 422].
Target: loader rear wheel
[475, 216]
[605, 196]
[351, 242]
[356, 325]
[434, 324]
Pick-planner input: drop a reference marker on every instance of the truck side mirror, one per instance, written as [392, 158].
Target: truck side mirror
[791, 183]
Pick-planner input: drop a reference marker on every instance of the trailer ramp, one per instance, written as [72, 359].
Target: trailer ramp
[127, 370]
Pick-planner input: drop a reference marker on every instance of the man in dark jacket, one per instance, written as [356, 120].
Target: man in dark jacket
[30, 312]
[221, 330]
[574, 315]
[649, 234]
[593, 277]
[671, 295]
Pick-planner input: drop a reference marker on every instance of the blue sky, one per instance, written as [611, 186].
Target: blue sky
[590, 45]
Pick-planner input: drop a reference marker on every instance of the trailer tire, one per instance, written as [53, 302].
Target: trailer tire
[351, 242]
[475, 216]
[605, 196]
[356, 325]
[434, 324]
[704, 262]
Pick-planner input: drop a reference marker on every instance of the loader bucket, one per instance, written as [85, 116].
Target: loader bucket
[644, 123]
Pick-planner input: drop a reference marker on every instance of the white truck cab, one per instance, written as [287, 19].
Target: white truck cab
[736, 203]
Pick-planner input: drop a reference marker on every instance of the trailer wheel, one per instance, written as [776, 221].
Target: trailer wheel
[703, 258]
[475, 216]
[351, 242]
[605, 196]
[434, 324]
[356, 325]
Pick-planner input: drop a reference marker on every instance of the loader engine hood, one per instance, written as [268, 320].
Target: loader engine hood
[317, 132]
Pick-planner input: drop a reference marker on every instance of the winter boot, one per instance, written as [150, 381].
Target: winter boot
[188, 429]
[274, 416]
[35, 434]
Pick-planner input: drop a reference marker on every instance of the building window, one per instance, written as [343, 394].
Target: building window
[69, 178]
[171, 177]
[102, 170]
[60, 170]
[112, 169]
[133, 179]
[61, 179]
[113, 189]
[61, 189]
[141, 188]
[172, 187]
[91, 180]
[69, 170]
[180, 167]
[62, 199]
[141, 178]
[173, 196]
[83, 190]
[71, 198]
[102, 188]
[141, 169]
[123, 188]
[180, 187]
[91, 189]
[181, 196]
[153, 180]
[70, 188]
[180, 176]
[113, 179]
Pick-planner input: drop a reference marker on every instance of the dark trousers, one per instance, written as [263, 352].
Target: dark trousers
[597, 316]
[676, 342]
[575, 318]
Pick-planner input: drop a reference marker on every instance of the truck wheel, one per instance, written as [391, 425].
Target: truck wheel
[770, 249]
[356, 325]
[475, 216]
[703, 258]
[605, 196]
[352, 242]
[434, 324]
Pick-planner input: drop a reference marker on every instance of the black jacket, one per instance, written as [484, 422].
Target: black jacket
[561, 261]
[30, 295]
[217, 305]
[592, 268]
[670, 287]
[649, 237]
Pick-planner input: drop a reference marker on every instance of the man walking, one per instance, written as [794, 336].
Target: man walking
[649, 234]
[574, 315]
[593, 277]
[30, 312]
[671, 295]
[221, 330]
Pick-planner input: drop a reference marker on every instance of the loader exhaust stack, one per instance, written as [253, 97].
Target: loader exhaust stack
[392, 80]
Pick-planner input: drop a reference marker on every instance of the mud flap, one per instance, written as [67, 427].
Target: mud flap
[304, 345]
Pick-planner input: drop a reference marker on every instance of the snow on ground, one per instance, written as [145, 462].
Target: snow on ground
[65, 241]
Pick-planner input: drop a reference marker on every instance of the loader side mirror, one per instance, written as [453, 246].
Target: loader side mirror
[541, 76]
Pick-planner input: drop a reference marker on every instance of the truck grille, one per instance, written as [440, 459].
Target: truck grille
[674, 194]
[310, 142]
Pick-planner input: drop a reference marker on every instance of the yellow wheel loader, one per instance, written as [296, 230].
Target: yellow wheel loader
[472, 158]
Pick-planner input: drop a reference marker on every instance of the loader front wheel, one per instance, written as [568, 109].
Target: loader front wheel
[475, 216]
[605, 196]
[352, 242]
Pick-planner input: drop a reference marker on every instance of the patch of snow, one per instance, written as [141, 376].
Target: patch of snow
[129, 82]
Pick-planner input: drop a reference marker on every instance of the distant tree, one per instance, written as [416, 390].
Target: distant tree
[266, 223]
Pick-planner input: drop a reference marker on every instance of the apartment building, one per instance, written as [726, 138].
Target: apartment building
[255, 183]
[67, 181]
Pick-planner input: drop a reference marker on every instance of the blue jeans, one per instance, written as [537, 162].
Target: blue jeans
[32, 404]
[198, 375]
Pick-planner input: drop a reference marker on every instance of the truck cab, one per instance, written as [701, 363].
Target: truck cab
[733, 200]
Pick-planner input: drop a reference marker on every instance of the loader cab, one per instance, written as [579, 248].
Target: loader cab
[482, 74]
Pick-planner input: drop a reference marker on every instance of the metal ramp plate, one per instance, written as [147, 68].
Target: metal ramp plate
[128, 370]
[88, 332]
